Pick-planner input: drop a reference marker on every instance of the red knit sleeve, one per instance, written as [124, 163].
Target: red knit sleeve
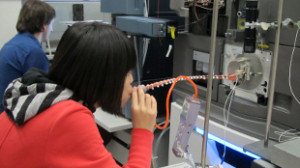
[140, 149]
[74, 141]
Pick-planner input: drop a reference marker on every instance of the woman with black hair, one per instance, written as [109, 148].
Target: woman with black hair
[48, 120]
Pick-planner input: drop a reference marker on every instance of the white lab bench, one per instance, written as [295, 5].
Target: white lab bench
[110, 122]
[121, 128]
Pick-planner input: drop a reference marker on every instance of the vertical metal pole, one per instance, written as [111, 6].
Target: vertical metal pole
[210, 77]
[273, 73]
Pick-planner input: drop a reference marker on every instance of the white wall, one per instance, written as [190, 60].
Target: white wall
[9, 11]
[64, 13]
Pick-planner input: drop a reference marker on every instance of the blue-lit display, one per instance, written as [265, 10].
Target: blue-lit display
[226, 143]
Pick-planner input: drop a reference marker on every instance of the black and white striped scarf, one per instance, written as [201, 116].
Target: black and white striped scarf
[23, 101]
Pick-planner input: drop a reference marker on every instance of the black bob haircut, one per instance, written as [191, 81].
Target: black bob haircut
[93, 59]
[33, 15]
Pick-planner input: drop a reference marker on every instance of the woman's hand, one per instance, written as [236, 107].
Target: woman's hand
[144, 109]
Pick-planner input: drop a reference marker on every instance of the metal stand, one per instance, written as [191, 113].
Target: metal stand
[273, 73]
[209, 81]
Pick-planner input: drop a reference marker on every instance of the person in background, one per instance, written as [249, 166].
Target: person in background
[24, 50]
[48, 120]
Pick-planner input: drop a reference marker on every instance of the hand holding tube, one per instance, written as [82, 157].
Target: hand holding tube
[144, 109]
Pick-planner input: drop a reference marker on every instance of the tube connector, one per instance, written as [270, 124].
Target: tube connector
[232, 76]
[144, 88]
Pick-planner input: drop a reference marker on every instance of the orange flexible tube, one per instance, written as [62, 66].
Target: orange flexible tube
[168, 100]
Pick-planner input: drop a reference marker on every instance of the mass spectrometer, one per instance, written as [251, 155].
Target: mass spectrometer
[247, 43]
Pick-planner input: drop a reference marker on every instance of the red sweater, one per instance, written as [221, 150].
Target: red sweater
[65, 135]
